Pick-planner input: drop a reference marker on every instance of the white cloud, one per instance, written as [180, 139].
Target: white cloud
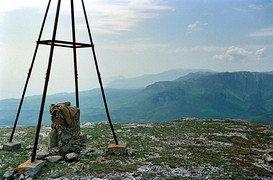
[122, 15]
[106, 16]
[234, 53]
[263, 32]
[11, 5]
[260, 51]
[192, 26]
[196, 26]
[197, 48]
[256, 7]
[135, 46]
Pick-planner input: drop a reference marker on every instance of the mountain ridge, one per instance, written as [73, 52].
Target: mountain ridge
[235, 95]
[145, 80]
[219, 88]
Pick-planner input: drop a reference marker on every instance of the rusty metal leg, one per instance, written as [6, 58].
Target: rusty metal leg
[29, 73]
[46, 83]
[98, 74]
[75, 54]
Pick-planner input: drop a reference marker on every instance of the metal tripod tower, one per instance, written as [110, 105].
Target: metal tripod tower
[66, 44]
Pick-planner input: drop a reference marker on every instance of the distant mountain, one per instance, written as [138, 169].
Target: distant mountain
[243, 95]
[236, 95]
[145, 80]
[194, 75]
[114, 78]
[91, 105]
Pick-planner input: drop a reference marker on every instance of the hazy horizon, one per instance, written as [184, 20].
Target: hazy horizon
[110, 79]
[133, 38]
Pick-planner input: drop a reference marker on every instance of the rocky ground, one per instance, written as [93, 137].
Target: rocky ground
[187, 148]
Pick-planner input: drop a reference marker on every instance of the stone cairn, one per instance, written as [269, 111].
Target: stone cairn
[65, 129]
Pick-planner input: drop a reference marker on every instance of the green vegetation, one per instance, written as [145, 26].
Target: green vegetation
[180, 149]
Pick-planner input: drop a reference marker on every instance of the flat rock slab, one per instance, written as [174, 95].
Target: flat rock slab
[54, 158]
[11, 146]
[71, 157]
[30, 168]
[8, 174]
[29, 147]
[117, 149]
[42, 154]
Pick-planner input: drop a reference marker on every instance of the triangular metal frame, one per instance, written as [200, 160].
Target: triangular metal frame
[67, 44]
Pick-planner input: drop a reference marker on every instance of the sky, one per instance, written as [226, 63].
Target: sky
[132, 38]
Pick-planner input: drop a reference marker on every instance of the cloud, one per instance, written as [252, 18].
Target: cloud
[260, 53]
[197, 48]
[123, 15]
[141, 44]
[196, 26]
[12, 5]
[138, 47]
[106, 16]
[256, 7]
[234, 53]
[263, 32]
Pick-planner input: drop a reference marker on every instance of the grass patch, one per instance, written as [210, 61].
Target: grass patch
[180, 144]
